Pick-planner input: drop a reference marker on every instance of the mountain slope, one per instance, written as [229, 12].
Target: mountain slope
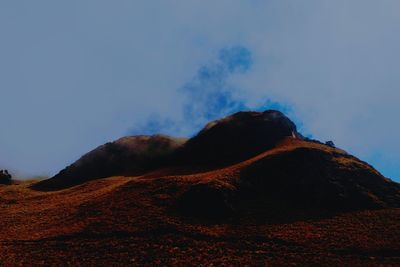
[130, 221]
[267, 167]
[296, 178]
[132, 155]
[221, 142]
[227, 196]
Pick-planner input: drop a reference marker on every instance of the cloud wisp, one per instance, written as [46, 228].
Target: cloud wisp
[209, 95]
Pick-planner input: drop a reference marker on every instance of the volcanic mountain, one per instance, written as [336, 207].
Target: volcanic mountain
[248, 189]
[230, 140]
[255, 162]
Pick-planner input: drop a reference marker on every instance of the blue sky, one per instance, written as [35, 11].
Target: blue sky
[76, 74]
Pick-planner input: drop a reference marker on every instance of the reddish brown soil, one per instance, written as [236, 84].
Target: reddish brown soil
[134, 221]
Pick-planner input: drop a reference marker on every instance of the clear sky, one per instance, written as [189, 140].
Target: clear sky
[75, 74]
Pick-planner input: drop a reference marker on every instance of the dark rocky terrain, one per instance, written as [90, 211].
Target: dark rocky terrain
[248, 189]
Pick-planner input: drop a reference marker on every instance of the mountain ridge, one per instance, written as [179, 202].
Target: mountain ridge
[291, 201]
[282, 160]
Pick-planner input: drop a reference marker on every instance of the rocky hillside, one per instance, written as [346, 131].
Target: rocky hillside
[248, 164]
[247, 190]
[132, 155]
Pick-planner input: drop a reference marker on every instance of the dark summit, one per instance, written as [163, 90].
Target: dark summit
[239, 136]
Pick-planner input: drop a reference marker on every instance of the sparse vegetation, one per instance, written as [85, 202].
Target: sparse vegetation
[330, 143]
[118, 221]
[5, 177]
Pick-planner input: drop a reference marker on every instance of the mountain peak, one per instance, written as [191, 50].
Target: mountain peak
[239, 136]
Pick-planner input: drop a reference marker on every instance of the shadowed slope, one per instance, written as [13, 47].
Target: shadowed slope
[131, 155]
[318, 179]
[296, 179]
